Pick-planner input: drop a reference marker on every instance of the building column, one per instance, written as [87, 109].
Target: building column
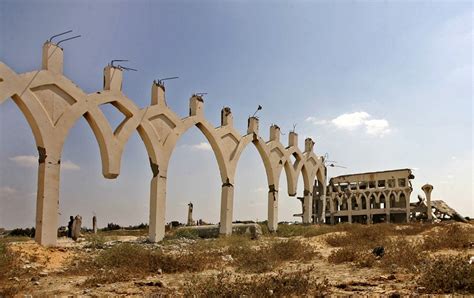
[322, 196]
[156, 230]
[307, 207]
[272, 208]
[227, 205]
[407, 204]
[387, 207]
[349, 209]
[47, 199]
[369, 210]
[427, 189]
[331, 208]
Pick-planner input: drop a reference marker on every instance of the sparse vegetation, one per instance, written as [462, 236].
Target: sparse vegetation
[448, 274]
[453, 236]
[271, 265]
[280, 284]
[264, 259]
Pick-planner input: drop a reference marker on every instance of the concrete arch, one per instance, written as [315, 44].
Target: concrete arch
[52, 104]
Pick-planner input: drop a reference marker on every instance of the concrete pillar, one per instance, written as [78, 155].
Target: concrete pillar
[158, 94]
[274, 133]
[252, 125]
[331, 208]
[156, 230]
[427, 189]
[323, 198]
[308, 145]
[369, 210]
[190, 214]
[47, 199]
[349, 209]
[227, 205]
[292, 139]
[272, 208]
[387, 207]
[196, 105]
[53, 58]
[307, 207]
[113, 77]
[94, 224]
[226, 117]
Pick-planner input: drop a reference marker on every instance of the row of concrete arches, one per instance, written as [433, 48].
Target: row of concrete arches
[52, 104]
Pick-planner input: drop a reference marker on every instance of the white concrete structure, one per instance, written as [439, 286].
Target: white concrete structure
[52, 104]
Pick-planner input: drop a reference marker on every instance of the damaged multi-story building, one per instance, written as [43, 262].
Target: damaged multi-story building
[369, 197]
[376, 197]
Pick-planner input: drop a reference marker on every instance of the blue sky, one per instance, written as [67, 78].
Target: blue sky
[378, 85]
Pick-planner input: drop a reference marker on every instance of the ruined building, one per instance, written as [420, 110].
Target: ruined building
[367, 197]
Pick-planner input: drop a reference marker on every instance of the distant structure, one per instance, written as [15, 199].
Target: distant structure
[190, 215]
[94, 224]
[371, 197]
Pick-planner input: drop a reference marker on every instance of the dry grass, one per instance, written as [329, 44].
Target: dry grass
[126, 260]
[402, 254]
[452, 236]
[9, 268]
[267, 258]
[280, 284]
[448, 274]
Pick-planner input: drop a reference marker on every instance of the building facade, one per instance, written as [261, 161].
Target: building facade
[372, 197]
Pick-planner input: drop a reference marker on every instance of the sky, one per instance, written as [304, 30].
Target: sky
[377, 84]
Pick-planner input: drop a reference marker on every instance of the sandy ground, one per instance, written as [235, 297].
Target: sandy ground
[46, 272]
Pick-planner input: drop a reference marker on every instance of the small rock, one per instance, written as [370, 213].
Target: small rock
[35, 278]
[159, 272]
[270, 292]
[227, 258]
[16, 278]
[43, 273]
[36, 283]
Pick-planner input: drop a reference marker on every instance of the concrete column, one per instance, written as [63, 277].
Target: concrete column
[331, 209]
[427, 189]
[47, 199]
[307, 207]
[349, 209]
[158, 94]
[94, 224]
[407, 203]
[387, 207]
[323, 197]
[227, 205]
[53, 57]
[113, 77]
[369, 210]
[272, 208]
[156, 230]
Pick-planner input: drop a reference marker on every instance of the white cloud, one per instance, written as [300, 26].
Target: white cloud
[30, 161]
[203, 146]
[350, 121]
[7, 191]
[377, 127]
[357, 120]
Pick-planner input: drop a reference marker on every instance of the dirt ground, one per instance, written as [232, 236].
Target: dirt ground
[51, 271]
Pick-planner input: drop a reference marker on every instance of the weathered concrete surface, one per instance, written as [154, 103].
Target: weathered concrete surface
[212, 231]
[52, 104]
